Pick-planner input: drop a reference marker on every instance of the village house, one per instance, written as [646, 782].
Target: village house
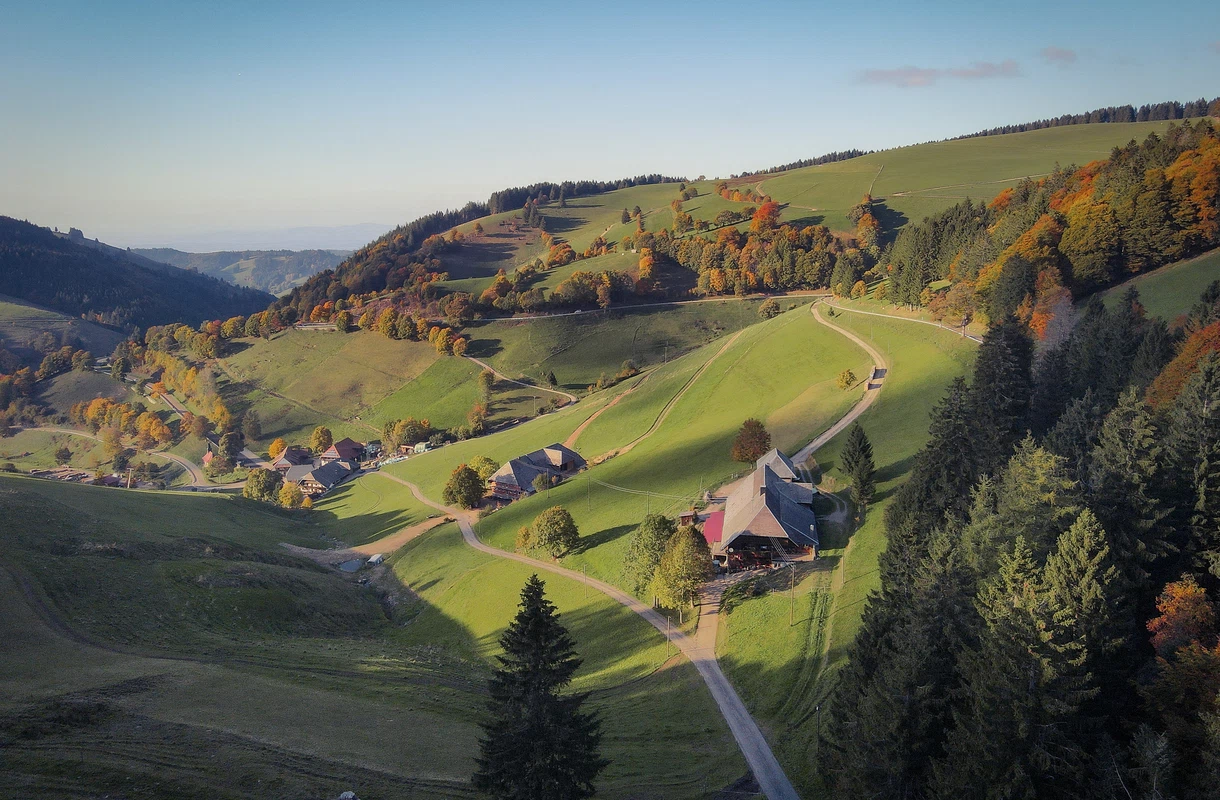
[293, 456]
[344, 450]
[516, 478]
[314, 481]
[768, 517]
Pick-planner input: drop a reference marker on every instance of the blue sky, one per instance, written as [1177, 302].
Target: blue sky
[155, 123]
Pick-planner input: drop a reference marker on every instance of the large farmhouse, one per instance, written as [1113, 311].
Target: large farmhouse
[344, 450]
[516, 479]
[768, 517]
[318, 480]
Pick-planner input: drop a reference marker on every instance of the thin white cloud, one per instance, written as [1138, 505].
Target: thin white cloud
[910, 77]
[1059, 56]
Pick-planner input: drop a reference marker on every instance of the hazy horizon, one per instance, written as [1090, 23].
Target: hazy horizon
[172, 126]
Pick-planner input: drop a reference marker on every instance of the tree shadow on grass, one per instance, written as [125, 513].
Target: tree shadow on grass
[805, 220]
[896, 469]
[890, 219]
[601, 537]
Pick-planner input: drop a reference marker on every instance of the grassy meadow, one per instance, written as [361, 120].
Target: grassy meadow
[921, 180]
[169, 647]
[1170, 291]
[22, 322]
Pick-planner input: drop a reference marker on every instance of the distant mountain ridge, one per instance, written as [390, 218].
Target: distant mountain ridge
[273, 271]
[91, 279]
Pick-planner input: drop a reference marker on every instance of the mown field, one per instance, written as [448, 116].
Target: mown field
[579, 349]
[924, 179]
[169, 647]
[1171, 290]
[783, 671]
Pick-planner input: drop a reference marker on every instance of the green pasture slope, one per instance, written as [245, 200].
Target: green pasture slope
[22, 322]
[777, 667]
[1171, 290]
[168, 646]
[920, 180]
[782, 371]
[580, 348]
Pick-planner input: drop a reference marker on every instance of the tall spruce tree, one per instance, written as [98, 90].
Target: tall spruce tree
[1192, 482]
[856, 461]
[888, 722]
[1001, 391]
[1122, 480]
[1075, 434]
[1014, 724]
[945, 471]
[538, 743]
[1052, 392]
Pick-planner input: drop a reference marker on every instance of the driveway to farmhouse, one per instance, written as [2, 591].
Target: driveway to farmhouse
[257, 461]
[767, 771]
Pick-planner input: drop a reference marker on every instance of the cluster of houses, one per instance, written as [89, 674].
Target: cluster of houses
[319, 475]
[519, 477]
[767, 518]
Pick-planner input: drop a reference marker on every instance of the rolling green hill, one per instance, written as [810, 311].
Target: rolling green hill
[921, 180]
[271, 271]
[27, 330]
[89, 279]
[176, 628]
[1171, 291]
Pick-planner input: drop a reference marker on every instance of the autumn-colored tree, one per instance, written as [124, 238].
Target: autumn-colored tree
[765, 218]
[1186, 616]
[846, 379]
[321, 439]
[751, 442]
[277, 448]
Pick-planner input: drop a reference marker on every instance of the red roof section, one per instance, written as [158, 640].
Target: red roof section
[713, 527]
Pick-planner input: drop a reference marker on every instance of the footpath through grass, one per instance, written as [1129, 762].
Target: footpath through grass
[777, 667]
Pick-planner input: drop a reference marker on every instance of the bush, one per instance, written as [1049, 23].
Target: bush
[769, 309]
[464, 489]
[846, 379]
[554, 531]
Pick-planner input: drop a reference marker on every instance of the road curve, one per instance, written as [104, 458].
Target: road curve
[503, 377]
[766, 768]
[958, 331]
[870, 394]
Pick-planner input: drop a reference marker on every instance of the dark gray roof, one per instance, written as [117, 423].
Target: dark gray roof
[795, 517]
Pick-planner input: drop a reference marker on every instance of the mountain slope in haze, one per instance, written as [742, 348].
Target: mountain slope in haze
[88, 278]
[274, 271]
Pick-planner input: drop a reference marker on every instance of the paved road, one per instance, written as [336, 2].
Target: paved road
[197, 477]
[871, 392]
[767, 771]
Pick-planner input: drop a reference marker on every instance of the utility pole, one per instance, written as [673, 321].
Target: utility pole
[792, 596]
[666, 637]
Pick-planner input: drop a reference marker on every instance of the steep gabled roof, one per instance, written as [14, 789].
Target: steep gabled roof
[345, 448]
[779, 463]
[517, 472]
[766, 505]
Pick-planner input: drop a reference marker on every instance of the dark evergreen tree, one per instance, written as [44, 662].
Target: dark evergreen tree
[1192, 475]
[856, 461]
[1075, 434]
[538, 743]
[1052, 392]
[945, 471]
[1016, 715]
[888, 723]
[1001, 392]
[1122, 479]
[1156, 349]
